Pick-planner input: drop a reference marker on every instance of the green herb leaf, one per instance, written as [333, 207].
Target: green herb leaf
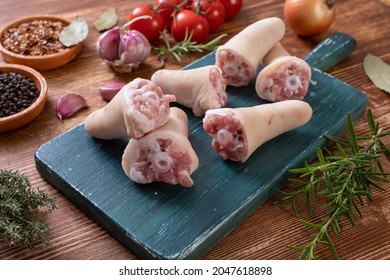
[185, 47]
[107, 20]
[331, 246]
[306, 223]
[373, 126]
[19, 224]
[320, 155]
[378, 72]
[74, 33]
[351, 135]
[342, 180]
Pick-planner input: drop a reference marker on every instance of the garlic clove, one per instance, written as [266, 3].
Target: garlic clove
[134, 48]
[108, 43]
[109, 90]
[69, 104]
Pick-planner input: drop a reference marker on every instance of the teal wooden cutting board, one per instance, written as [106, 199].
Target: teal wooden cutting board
[160, 221]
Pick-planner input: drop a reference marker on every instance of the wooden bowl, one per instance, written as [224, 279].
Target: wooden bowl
[27, 115]
[42, 62]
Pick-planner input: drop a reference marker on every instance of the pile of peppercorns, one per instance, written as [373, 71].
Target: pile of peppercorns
[17, 92]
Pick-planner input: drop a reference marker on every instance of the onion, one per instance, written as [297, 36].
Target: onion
[309, 17]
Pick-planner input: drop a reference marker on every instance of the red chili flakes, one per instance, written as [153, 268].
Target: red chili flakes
[35, 38]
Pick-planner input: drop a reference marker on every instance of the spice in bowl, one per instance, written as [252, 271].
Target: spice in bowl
[17, 93]
[23, 93]
[42, 42]
[35, 38]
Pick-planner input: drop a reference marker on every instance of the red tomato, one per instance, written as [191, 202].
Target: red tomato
[309, 17]
[166, 10]
[213, 11]
[151, 28]
[232, 7]
[194, 23]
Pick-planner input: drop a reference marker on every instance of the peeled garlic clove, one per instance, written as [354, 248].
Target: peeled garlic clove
[69, 104]
[134, 48]
[109, 90]
[108, 44]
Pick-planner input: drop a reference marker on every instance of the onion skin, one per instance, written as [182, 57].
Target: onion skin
[309, 17]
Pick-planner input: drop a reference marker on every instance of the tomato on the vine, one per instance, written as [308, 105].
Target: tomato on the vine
[196, 25]
[152, 27]
[213, 11]
[232, 7]
[309, 17]
[166, 10]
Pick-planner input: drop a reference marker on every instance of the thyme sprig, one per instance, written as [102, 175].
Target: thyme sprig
[185, 47]
[344, 178]
[19, 223]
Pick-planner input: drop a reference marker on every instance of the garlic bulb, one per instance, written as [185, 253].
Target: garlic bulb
[123, 50]
[107, 45]
[133, 47]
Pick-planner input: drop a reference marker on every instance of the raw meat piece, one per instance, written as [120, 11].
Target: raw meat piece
[200, 88]
[240, 57]
[165, 154]
[138, 108]
[283, 77]
[237, 132]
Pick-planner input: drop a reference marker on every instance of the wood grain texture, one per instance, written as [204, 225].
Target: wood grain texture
[263, 235]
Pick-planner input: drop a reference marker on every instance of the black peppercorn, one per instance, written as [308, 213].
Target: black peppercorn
[17, 92]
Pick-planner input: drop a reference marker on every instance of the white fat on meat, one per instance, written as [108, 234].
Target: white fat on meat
[240, 57]
[200, 88]
[138, 108]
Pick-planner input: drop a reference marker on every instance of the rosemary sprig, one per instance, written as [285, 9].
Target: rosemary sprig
[184, 47]
[344, 178]
[19, 224]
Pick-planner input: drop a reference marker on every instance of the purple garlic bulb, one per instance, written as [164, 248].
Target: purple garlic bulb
[123, 50]
[108, 43]
[133, 47]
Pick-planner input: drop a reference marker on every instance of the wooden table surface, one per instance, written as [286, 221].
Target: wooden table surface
[263, 235]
